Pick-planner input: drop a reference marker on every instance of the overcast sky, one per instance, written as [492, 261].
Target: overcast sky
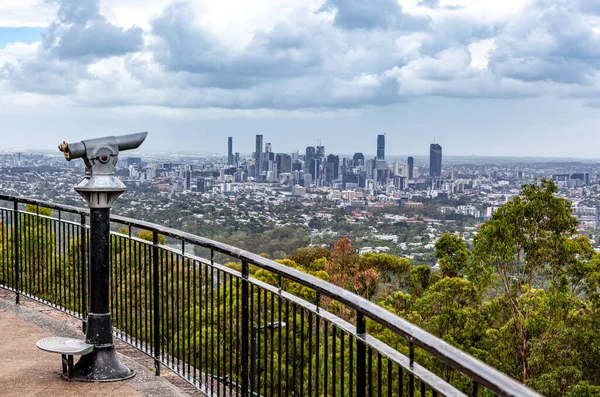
[487, 77]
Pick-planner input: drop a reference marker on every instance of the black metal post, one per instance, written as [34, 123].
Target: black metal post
[102, 364]
[156, 302]
[245, 328]
[361, 355]
[253, 360]
[17, 256]
[84, 254]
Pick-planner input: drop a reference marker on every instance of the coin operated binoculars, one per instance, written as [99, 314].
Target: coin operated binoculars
[100, 188]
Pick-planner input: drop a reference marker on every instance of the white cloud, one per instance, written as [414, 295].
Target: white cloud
[298, 54]
[26, 13]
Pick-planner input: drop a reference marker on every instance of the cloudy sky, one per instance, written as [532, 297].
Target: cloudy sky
[488, 77]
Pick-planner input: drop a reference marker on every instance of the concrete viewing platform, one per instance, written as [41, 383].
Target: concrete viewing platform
[26, 371]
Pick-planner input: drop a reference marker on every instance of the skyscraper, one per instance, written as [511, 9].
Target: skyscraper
[359, 159]
[258, 155]
[435, 160]
[308, 160]
[320, 152]
[381, 147]
[230, 157]
[332, 169]
[284, 163]
[411, 168]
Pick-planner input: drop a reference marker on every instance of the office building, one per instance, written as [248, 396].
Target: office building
[381, 147]
[308, 159]
[435, 160]
[320, 152]
[411, 168]
[258, 155]
[230, 157]
[359, 159]
[284, 163]
[332, 168]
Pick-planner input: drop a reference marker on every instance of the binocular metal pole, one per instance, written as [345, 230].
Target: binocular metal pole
[102, 365]
[100, 188]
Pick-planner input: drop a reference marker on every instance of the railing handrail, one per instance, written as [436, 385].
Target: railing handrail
[475, 369]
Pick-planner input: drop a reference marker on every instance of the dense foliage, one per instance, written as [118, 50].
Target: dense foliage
[525, 299]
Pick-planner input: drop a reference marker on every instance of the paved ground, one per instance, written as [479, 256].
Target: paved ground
[27, 371]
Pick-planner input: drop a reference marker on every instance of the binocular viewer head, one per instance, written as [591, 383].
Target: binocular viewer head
[103, 150]
[100, 186]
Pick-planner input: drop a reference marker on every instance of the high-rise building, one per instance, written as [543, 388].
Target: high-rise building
[308, 160]
[258, 155]
[435, 160]
[359, 159]
[315, 169]
[411, 168]
[230, 157]
[332, 168]
[188, 180]
[381, 146]
[320, 152]
[284, 163]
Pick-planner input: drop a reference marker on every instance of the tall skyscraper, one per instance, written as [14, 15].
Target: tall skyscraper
[359, 159]
[258, 155]
[284, 163]
[320, 152]
[435, 160]
[308, 160]
[381, 146]
[230, 157]
[332, 169]
[411, 168]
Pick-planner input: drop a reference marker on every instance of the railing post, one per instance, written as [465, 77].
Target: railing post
[17, 258]
[245, 328]
[84, 253]
[411, 376]
[361, 355]
[156, 302]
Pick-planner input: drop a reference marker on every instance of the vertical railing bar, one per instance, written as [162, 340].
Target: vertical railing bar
[189, 308]
[334, 360]
[212, 317]
[294, 363]
[148, 341]
[156, 289]
[173, 315]
[273, 343]
[231, 377]
[301, 351]
[280, 350]
[370, 371]
[287, 348]
[411, 377]
[238, 327]
[310, 353]
[245, 329]
[206, 338]
[16, 278]
[194, 286]
[361, 329]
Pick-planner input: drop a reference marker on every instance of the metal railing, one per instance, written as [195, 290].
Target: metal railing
[253, 328]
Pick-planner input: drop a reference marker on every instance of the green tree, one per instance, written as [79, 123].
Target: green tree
[452, 253]
[530, 241]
